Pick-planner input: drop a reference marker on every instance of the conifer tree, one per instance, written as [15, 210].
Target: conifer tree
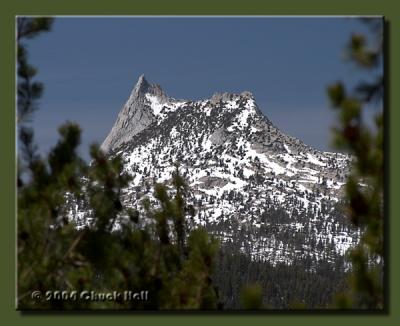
[161, 256]
[364, 187]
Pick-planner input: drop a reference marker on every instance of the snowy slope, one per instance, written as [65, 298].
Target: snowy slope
[249, 182]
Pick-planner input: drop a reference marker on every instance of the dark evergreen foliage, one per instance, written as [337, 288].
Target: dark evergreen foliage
[364, 188]
[282, 286]
[170, 262]
[162, 252]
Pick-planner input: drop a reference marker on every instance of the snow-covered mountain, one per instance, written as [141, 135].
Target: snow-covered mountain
[251, 184]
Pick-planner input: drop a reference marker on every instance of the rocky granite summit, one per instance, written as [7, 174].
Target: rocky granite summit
[250, 183]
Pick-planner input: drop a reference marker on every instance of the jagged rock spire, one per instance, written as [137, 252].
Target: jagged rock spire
[146, 101]
[135, 115]
[141, 86]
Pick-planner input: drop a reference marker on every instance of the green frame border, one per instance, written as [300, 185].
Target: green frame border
[8, 11]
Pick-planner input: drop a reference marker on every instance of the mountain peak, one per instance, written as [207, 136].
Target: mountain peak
[244, 173]
[247, 95]
[141, 79]
[149, 103]
[143, 87]
[135, 115]
[224, 97]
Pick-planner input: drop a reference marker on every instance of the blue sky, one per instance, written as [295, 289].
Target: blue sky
[90, 65]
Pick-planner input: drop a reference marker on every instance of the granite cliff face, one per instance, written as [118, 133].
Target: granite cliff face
[251, 184]
[135, 116]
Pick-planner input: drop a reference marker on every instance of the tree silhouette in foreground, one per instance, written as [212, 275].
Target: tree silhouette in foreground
[364, 188]
[155, 250]
[170, 262]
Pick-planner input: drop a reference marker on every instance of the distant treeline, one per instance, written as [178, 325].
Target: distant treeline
[283, 286]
